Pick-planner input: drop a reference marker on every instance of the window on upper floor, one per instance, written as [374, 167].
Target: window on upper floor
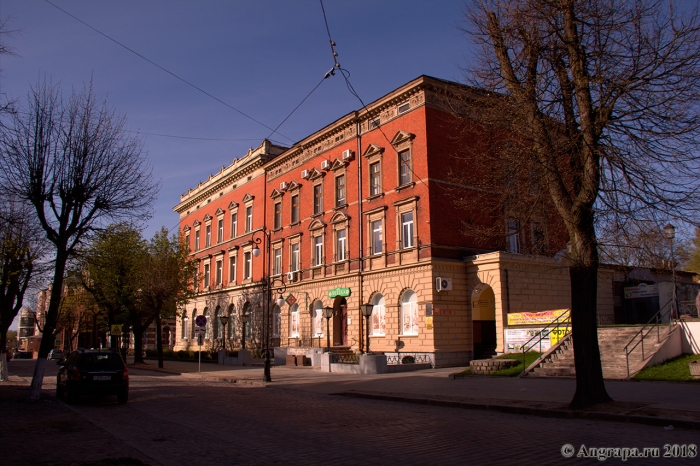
[249, 219]
[220, 231]
[341, 245]
[513, 236]
[377, 237]
[277, 261]
[294, 257]
[207, 238]
[407, 230]
[403, 108]
[278, 215]
[318, 199]
[375, 123]
[404, 167]
[196, 240]
[234, 224]
[318, 250]
[232, 269]
[295, 209]
[247, 265]
[207, 278]
[340, 190]
[375, 179]
[187, 241]
[219, 272]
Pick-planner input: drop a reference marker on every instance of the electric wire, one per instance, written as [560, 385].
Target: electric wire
[166, 70]
[327, 75]
[191, 137]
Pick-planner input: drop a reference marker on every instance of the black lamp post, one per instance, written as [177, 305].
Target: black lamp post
[670, 232]
[224, 320]
[328, 313]
[244, 321]
[367, 313]
[270, 284]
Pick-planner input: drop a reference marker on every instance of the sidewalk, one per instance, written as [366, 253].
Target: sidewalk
[657, 403]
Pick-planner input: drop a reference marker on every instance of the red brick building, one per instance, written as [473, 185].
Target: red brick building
[356, 212]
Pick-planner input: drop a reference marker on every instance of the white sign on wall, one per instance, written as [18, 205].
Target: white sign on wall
[515, 338]
[641, 291]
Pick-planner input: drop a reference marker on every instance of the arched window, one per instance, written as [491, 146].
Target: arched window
[216, 324]
[294, 321]
[248, 310]
[192, 323]
[409, 313]
[207, 333]
[276, 321]
[317, 314]
[185, 327]
[231, 322]
[378, 315]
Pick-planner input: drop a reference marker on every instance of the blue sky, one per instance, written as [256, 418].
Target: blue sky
[261, 57]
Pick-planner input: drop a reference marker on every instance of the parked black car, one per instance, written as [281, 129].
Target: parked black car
[92, 372]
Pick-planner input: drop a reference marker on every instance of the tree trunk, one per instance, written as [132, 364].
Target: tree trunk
[138, 344]
[590, 387]
[159, 340]
[4, 376]
[47, 339]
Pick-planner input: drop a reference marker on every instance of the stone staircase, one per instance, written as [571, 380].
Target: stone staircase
[559, 362]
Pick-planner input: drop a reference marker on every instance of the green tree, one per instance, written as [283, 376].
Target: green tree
[165, 283]
[601, 100]
[694, 261]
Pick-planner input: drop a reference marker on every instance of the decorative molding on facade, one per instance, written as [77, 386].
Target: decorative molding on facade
[276, 193]
[315, 174]
[247, 198]
[407, 200]
[186, 228]
[373, 149]
[338, 164]
[233, 205]
[401, 137]
[293, 186]
[219, 212]
[196, 223]
[316, 224]
[207, 218]
[340, 216]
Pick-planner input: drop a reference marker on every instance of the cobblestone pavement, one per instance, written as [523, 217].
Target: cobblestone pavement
[172, 420]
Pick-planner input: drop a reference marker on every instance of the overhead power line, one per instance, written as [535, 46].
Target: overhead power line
[166, 70]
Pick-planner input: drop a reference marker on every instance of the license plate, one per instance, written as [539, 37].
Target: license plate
[102, 377]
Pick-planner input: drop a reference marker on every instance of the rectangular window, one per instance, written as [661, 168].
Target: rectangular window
[249, 219]
[403, 108]
[278, 215]
[318, 322]
[206, 276]
[219, 272]
[377, 237]
[340, 190]
[294, 323]
[318, 199]
[196, 240]
[404, 167]
[207, 238]
[375, 179]
[409, 314]
[295, 257]
[247, 265]
[234, 224]
[277, 261]
[341, 245]
[407, 230]
[232, 269]
[513, 236]
[220, 231]
[295, 208]
[374, 123]
[187, 241]
[318, 250]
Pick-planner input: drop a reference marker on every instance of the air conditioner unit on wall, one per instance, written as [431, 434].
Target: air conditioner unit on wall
[443, 284]
[305, 174]
[284, 185]
[291, 276]
[347, 154]
[325, 165]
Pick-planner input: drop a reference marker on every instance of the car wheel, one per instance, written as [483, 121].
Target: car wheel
[123, 397]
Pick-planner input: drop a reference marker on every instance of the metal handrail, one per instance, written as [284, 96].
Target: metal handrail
[657, 319]
[565, 318]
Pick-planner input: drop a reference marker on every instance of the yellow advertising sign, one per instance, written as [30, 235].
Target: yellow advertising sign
[429, 323]
[557, 334]
[535, 318]
[115, 330]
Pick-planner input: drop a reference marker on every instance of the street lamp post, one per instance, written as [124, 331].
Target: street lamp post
[224, 320]
[328, 313]
[367, 313]
[270, 284]
[244, 321]
[670, 232]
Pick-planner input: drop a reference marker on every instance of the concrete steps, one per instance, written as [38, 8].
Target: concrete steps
[612, 342]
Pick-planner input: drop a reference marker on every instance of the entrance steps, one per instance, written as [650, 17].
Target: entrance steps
[559, 360]
[341, 350]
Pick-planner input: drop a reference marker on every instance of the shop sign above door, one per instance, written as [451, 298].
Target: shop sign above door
[344, 292]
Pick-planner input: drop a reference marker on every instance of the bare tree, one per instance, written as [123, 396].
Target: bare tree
[75, 164]
[595, 103]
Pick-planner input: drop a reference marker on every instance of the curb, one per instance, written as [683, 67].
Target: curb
[153, 369]
[541, 412]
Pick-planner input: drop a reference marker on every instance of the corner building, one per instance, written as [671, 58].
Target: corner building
[358, 212]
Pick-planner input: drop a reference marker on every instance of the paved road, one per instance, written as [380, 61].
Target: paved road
[175, 420]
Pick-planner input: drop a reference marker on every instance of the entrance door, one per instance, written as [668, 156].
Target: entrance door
[340, 322]
[484, 321]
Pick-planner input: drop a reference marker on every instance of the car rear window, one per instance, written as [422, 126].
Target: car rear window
[101, 361]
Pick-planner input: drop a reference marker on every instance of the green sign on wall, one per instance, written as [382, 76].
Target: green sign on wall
[339, 292]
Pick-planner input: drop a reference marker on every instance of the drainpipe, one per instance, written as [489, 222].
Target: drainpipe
[360, 224]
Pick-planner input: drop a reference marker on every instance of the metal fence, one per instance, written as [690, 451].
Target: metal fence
[395, 359]
[345, 358]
